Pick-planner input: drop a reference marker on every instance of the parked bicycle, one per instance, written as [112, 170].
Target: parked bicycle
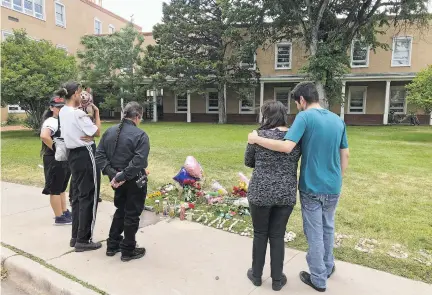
[410, 118]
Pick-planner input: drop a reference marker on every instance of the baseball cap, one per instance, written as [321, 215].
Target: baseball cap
[57, 101]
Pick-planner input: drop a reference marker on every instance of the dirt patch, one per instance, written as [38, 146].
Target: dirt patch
[13, 128]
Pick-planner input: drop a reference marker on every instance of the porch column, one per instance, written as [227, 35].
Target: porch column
[386, 103]
[342, 111]
[188, 118]
[155, 117]
[261, 100]
[225, 100]
[430, 120]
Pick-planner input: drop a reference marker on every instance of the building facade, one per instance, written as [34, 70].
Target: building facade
[63, 22]
[374, 87]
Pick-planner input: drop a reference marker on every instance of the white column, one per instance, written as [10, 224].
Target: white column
[261, 100]
[155, 114]
[121, 106]
[342, 111]
[386, 103]
[430, 120]
[188, 119]
[225, 99]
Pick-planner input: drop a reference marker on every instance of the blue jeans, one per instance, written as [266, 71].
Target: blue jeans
[318, 213]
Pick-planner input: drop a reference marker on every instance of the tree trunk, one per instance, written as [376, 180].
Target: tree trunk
[321, 94]
[222, 110]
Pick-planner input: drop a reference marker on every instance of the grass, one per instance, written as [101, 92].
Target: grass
[386, 194]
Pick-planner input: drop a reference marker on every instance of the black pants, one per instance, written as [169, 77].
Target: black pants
[84, 187]
[269, 224]
[129, 201]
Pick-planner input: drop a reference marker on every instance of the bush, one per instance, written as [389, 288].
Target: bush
[12, 120]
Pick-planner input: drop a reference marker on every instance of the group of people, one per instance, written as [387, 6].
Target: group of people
[319, 137]
[121, 155]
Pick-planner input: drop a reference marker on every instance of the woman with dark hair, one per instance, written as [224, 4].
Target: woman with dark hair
[122, 154]
[57, 173]
[78, 131]
[271, 194]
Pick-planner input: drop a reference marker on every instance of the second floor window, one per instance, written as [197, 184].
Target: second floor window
[401, 55]
[60, 13]
[249, 61]
[31, 7]
[359, 54]
[97, 27]
[283, 56]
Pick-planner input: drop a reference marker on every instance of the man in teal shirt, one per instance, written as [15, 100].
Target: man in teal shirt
[324, 146]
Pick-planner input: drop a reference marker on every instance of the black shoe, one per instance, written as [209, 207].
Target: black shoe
[332, 271]
[256, 281]
[99, 200]
[112, 252]
[72, 242]
[278, 285]
[137, 253]
[305, 278]
[82, 247]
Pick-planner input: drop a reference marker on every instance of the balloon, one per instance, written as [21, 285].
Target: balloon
[182, 176]
[193, 167]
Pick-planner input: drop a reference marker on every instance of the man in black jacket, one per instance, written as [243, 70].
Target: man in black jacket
[122, 154]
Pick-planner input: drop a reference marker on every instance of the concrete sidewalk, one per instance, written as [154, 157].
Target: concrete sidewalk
[182, 257]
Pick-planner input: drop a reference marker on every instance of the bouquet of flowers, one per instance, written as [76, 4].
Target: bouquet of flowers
[192, 190]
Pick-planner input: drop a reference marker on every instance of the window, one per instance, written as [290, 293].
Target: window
[283, 95]
[60, 14]
[398, 99]
[15, 109]
[111, 29]
[247, 105]
[181, 105]
[30, 7]
[283, 54]
[6, 34]
[249, 61]
[357, 99]
[97, 27]
[401, 56]
[359, 54]
[212, 97]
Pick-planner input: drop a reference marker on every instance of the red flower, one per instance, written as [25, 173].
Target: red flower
[191, 206]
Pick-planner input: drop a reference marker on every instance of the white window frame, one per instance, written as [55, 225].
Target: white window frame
[252, 111]
[280, 89]
[405, 100]
[208, 110]
[176, 105]
[352, 55]
[111, 27]
[350, 89]
[63, 25]
[5, 34]
[244, 65]
[19, 111]
[33, 13]
[94, 26]
[395, 39]
[276, 55]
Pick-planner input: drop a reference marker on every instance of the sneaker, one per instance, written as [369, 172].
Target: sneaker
[256, 281]
[112, 252]
[99, 200]
[305, 278]
[137, 253]
[67, 214]
[62, 220]
[332, 271]
[72, 242]
[90, 246]
[278, 285]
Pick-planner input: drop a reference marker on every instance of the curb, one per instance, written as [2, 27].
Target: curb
[29, 274]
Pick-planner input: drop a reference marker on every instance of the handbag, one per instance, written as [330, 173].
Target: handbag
[61, 152]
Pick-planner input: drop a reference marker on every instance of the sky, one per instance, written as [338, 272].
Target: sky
[146, 13]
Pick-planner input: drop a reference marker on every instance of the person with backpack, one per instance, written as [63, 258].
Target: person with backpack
[57, 173]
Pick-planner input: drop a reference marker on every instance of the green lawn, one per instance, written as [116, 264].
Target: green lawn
[386, 195]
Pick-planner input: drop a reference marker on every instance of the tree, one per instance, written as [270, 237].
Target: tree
[31, 72]
[200, 45]
[420, 90]
[111, 65]
[327, 28]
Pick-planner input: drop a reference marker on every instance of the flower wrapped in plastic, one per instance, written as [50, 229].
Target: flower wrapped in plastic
[217, 187]
[193, 167]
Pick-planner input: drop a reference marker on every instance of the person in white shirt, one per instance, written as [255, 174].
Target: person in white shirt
[57, 173]
[78, 131]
